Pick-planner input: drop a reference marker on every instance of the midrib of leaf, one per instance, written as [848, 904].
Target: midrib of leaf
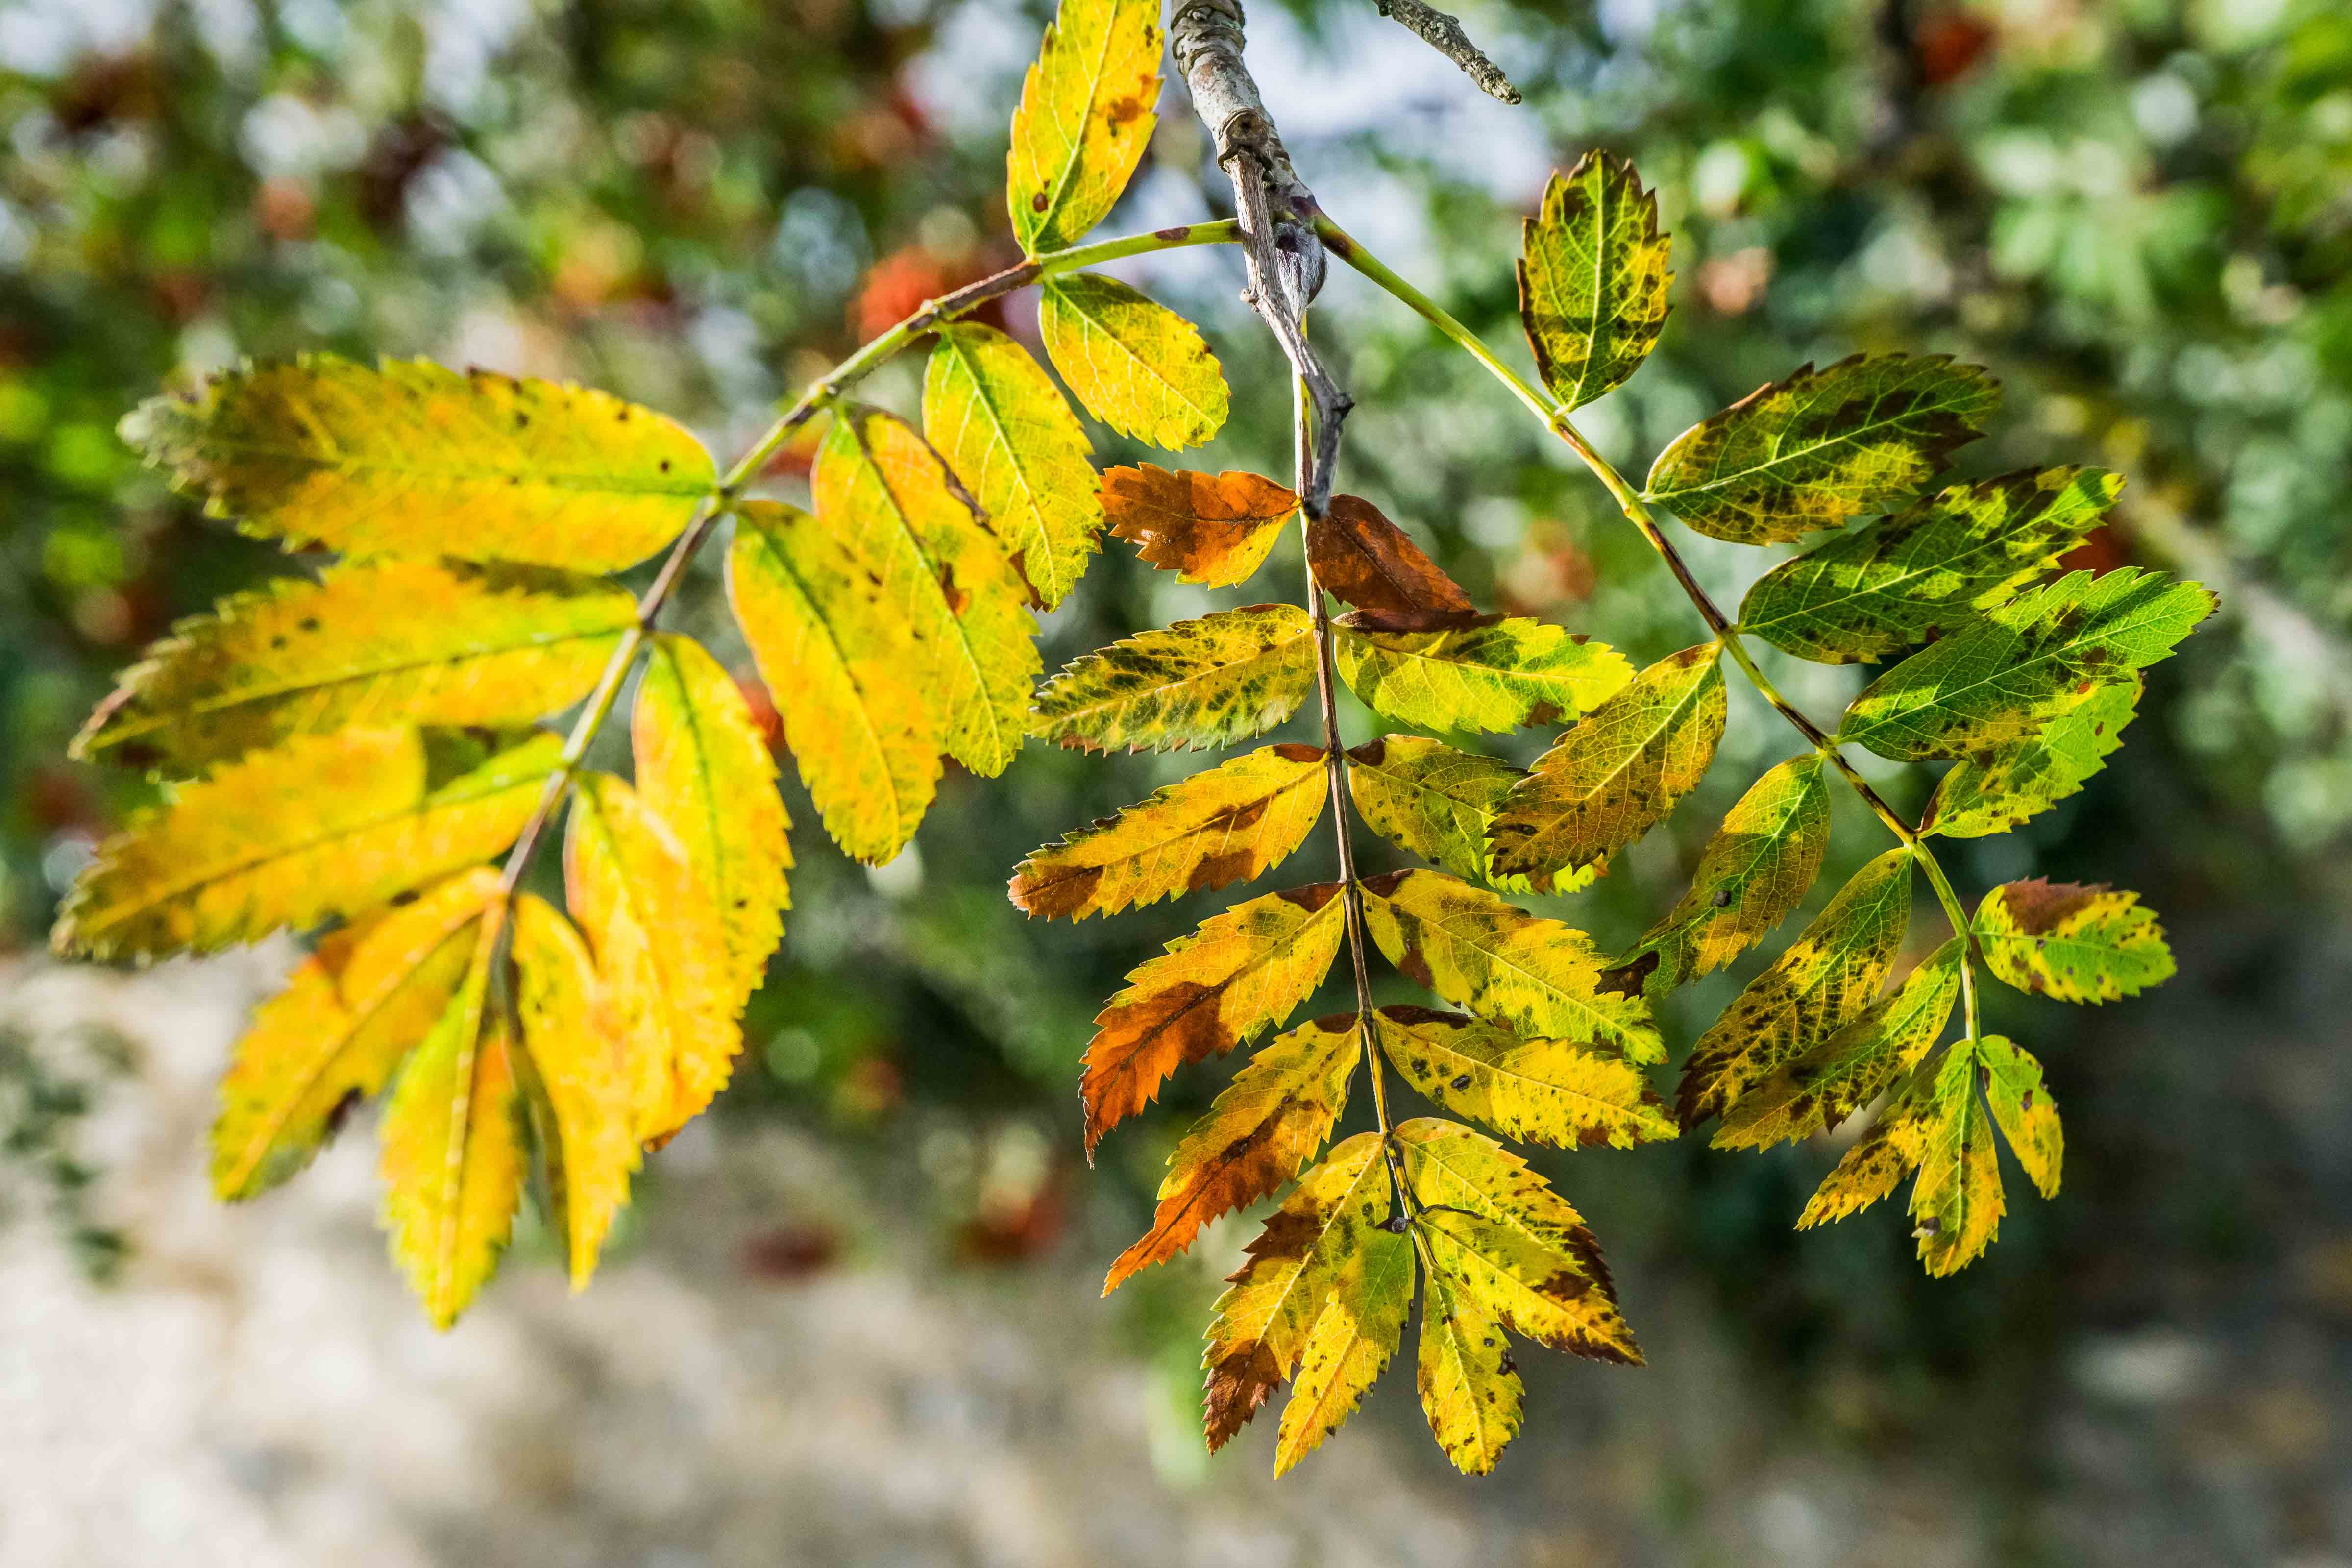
[1093, 328]
[1048, 566]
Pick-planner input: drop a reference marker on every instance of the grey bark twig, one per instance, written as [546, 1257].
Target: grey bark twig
[1444, 33]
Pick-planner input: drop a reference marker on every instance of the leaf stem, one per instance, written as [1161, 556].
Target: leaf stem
[1555, 415]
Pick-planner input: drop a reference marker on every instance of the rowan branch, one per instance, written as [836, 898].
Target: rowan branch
[1444, 33]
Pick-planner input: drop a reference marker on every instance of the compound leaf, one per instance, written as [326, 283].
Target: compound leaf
[408, 458]
[1085, 119]
[1244, 971]
[347, 1016]
[1616, 774]
[2008, 677]
[881, 485]
[1276, 1297]
[1494, 674]
[1593, 278]
[821, 628]
[1469, 1387]
[424, 642]
[575, 1081]
[1480, 951]
[1810, 452]
[1994, 790]
[1827, 976]
[1907, 580]
[1213, 529]
[703, 768]
[324, 826]
[1225, 824]
[1138, 366]
[1354, 1338]
[1003, 426]
[1540, 1090]
[1266, 1125]
[1356, 554]
[1211, 682]
[2074, 942]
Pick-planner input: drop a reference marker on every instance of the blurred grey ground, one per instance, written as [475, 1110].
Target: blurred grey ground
[259, 1389]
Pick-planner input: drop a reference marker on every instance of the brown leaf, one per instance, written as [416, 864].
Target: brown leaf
[1366, 560]
[1207, 528]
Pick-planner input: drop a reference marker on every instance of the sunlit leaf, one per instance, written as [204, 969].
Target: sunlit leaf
[2073, 943]
[1540, 1090]
[1956, 1203]
[1494, 674]
[1993, 791]
[1366, 561]
[1424, 796]
[1469, 1386]
[1211, 682]
[1353, 1339]
[1211, 528]
[1593, 278]
[2028, 1117]
[1085, 119]
[575, 1081]
[1137, 365]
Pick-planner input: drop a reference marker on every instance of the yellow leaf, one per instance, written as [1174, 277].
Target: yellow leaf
[1225, 824]
[1618, 772]
[1243, 971]
[1273, 1299]
[703, 768]
[329, 824]
[1085, 119]
[1957, 1202]
[2074, 942]
[424, 642]
[1884, 1155]
[658, 944]
[1211, 682]
[1351, 1343]
[577, 1078]
[1480, 951]
[1424, 796]
[1496, 673]
[881, 485]
[1269, 1122]
[347, 1016]
[846, 666]
[1546, 1091]
[1213, 529]
[408, 458]
[1138, 366]
[2012, 1080]
[453, 1148]
[1003, 426]
[1827, 976]
[1470, 1389]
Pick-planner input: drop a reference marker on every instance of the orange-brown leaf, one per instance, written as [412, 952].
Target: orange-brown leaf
[1368, 562]
[1214, 529]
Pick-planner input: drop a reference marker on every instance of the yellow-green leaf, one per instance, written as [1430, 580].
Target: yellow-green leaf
[1351, 1343]
[1593, 278]
[1993, 791]
[2012, 1081]
[845, 665]
[1424, 796]
[2076, 943]
[1242, 973]
[1617, 773]
[879, 484]
[1469, 1387]
[1085, 119]
[1887, 1152]
[408, 458]
[423, 642]
[1754, 870]
[661, 950]
[325, 825]
[1494, 674]
[1268, 1124]
[1211, 682]
[1213, 529]
[1545, 1091]
[1225, 824]
[453, 1154]
[1864, 434]
[1956, 1203]
[1273, 1299]
[704, 769]
[576, 1076]
[1003, 426]
[1137, 365]
[1478, 951]
[1827, 976]
[348, 1015]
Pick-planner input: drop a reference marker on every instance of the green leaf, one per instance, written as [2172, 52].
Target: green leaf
[1757, 868]
[2073, 943]
[1211, 682]
[1617, 773]
[1433, 801]
[2012, 1080]
[1956, 1204]
[1538, 1090]
[1085, 119]
[1994, 790]
[1827, 976]
[1907, 580]
[1480, 953]
[1138, 366]
[1821, 1086]
[1003, 426]
[1864, 434]
[2008, 677]
[1494, 674]
[1593, 278]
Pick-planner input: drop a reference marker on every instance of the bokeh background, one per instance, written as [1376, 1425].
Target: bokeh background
[852, 1318]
